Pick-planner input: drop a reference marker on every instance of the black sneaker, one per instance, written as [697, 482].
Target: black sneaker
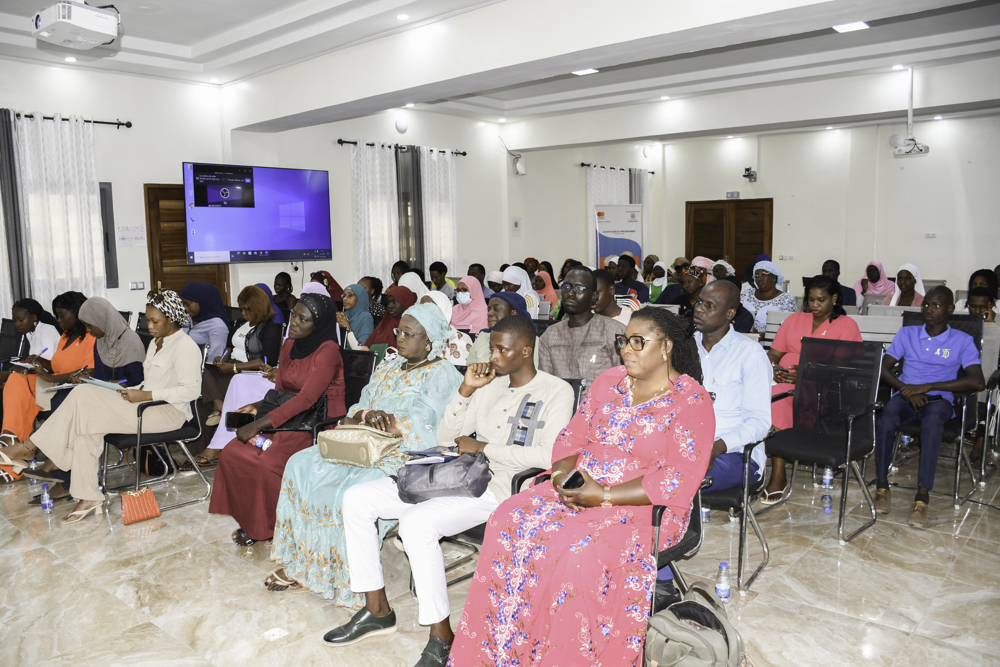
[666, 594]
[363, 624]
[435, 654]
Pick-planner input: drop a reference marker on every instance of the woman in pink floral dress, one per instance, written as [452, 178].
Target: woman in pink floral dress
[566, 576]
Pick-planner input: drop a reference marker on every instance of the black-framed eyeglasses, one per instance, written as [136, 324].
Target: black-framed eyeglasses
[636, 342]
[580, 290]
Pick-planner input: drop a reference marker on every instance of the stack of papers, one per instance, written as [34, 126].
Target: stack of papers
[433, 455]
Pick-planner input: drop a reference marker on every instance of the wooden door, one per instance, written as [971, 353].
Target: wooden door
[166, 240]
[736, 230]
[707, 223]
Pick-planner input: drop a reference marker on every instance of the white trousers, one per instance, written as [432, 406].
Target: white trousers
[421, 526]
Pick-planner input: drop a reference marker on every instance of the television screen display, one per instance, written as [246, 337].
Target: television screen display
[237, 213]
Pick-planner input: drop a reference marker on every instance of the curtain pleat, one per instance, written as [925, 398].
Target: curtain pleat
[440, 207]
[376, 210]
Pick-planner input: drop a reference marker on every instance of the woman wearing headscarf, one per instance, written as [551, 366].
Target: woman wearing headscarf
[248, 479]
[647, 267]
[763, 295]
[706, 265]
[397, 300]
[908, 289]
[693, 278]
[660, 277]
[73, 437]
[495, 281]
[412, 281]
[278, 317]
[119, 352]
[611, 264]
[458, 344]
[406, 396]
[515, 279]
[721, 269]
[469, 312]
[356, 318]
[543, 285]
[210, 318]
[874, 281]
[500, 306]
[333, 288]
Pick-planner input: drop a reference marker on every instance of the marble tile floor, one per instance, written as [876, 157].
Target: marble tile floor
[177, 591]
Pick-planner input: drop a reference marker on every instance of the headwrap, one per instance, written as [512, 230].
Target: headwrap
[333, 288]
[169, 303]
[360, 318]
[434, 324]
[610, 259]
[412, 282]
[516, 302]
[763, 258]
[882, 286]
[533, 262]
[383, 332]
[655, 259]
[681, 261]
[661, 282]
[706, 264]
[495, 277]
[324, 314]
[120, 346]
[770, 268]
[548, 293]
[278, 317]
[314, 288]
[698, 272]
[730, 271]
[471, 316]
[515, 275]
[918, 288]
[441, 301]
[209, 302]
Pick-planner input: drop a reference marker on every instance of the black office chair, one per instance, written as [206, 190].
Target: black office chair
[12, 344]
[686, 547]
[126, 315]
[541, 326]
[142, 328]
[234, 313]
[358, 368]
[834, 408]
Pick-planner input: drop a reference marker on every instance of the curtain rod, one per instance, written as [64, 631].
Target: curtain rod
[354, 143]
[601, 166]
[117, 123]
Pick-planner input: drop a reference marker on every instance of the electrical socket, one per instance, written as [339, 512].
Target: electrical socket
[137, 286]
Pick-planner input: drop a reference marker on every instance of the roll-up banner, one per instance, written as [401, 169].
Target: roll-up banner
[619, 229]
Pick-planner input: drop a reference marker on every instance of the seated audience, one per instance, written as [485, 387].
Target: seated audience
[531, 265]
[398, 270]
[515, 279]
[414, 282]
[831, 269]
[606, 304]
[406, 397]
[611, 265]
[458, 344]
[932, 355]
[673, 288]
[763, 294]
[738, 372]
[248, 479]
[74, 357]
[210, 319]
[647, 267]
[628, 283]
[283, 297]
[564, 568]
[547, 268]
[567, 265]
[658, 281]
[705, 264]
[873, 282]
[982, 302]
[469, 313]
[692, 279]
[494, 281]
[582, 346]
[981, 278]
[440, 281]
[373, 286]
[278, 317]
[501, 305]
[478, 271]
[680, 263]
[332, 287]
[542, 284]
[721, 269]
[515, 413]
[909, 289]
[356, 318]
[73, 436]
[822, 317]
[397, 301]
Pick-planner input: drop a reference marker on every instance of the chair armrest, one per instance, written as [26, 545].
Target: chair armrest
[142, 407]
[991, 384]
[783, 395]
[323, 423]
[851, 417]
[748, 451]
[520, 478]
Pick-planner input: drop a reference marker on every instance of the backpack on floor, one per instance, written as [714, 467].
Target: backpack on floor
[694, 632]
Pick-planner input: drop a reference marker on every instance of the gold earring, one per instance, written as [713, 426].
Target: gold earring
[428, 347]
[664, 356]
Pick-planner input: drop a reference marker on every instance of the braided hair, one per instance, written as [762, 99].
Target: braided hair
[831, 287]
[72, 301]
[680, 331]
[32, 307]
[376, 286]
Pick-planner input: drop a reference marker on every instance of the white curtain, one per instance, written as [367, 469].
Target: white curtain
[376, 210]
[639, 194]
[60, 207]
[604, 186]
[440, 208]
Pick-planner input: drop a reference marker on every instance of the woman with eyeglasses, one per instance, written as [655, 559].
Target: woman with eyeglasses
[567, 574]
[406, 397]
[762, 295]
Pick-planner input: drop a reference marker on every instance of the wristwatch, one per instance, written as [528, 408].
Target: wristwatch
[607, 497]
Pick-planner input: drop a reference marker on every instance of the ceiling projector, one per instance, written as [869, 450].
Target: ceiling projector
[75, 25]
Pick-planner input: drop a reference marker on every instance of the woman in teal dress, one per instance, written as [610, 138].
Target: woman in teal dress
[407, 396]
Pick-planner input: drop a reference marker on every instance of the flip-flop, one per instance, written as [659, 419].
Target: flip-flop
[42, 476]
[213, 420]
[17, 464]
[290, 585]
[765, 497]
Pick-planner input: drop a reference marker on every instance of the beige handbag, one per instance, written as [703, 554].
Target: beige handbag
[361, 446]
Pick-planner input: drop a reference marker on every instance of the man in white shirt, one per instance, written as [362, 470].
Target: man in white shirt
[737, 372]
[516, 413]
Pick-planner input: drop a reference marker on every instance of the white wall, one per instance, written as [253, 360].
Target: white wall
[172, 123]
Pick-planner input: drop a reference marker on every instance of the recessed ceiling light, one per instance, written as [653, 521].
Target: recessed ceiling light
[851, 27]
[898, 67]
[729, 137]
[585, 72]
[402, 17]
[829, 127]
[70, 59]
[502, 120]
[938, 117]
[665, 97]
[213, 81]
[409, 105]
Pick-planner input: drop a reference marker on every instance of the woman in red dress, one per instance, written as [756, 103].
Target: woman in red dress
[248, 480]
[566, 576]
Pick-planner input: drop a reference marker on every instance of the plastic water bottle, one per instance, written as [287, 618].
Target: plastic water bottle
[827, 478]
[33, 468]
[722, 582]
[46, 499]
[260, 442]
[706, 514]
[827, 503]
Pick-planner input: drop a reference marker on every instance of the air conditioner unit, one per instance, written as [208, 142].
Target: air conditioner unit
[75, 25]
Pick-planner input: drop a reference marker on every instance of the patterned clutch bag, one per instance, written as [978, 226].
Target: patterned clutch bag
[360, 446]
[138, 506]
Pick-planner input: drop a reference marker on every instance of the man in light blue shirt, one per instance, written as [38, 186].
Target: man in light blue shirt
[737, 372]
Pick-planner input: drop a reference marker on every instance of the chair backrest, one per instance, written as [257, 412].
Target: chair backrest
[878, 329]
[891, 311]
[869, 300]
[579, 389]
[672, 307]
[12, 344]
[544, 309]
[835, 379]
[234, 313]
[970, 324]
[127, 316]
[358, 368]
[541, 325]
[774, 320]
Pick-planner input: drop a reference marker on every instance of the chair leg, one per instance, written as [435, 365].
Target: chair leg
[786, 494]
[843, 504]
[748, 517]
[679, 580]
[197, 469]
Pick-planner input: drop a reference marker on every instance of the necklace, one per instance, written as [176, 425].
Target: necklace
[407, 367]
[659, 392]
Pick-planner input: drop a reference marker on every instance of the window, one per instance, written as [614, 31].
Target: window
[411, 221]
[110, 236]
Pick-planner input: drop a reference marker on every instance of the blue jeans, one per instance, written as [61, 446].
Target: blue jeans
[898, 412]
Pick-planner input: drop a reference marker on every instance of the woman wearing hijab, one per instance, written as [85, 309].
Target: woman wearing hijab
[248, 479]
[356, 318]
[873, 282]
[495, 281]
[398, 299]
[909, 288]
[543, 285]
[278, 317]
[406, 396]
[611, 264]
[500, 306]
[515, 279]
[333, 288]
[458, 344]
[73, 436]
[469, 312]
[721, 269]
[412, 281]
[660, 272]
[763, 295]
[119, 352]
[211, 319]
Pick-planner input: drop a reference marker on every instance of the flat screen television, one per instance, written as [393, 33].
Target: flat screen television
[236, 213]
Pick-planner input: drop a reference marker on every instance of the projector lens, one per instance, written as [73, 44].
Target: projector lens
[38, 21]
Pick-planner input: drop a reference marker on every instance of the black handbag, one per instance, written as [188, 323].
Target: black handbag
[304, 421]
[467, 476]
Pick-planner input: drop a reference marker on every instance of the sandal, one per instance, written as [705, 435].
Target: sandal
[16, 464]
[241, 538]
[273, 578]
[766, 497]
[213, 419]
[78, 515]
[201, 461]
